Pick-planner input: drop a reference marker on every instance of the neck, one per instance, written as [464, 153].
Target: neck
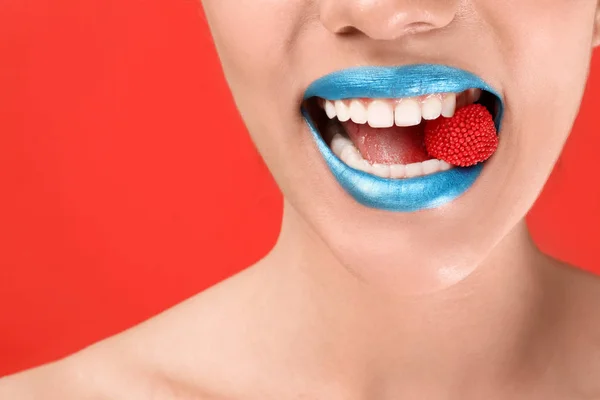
[478, 328]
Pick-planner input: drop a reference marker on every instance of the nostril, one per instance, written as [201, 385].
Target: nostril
[386, 19]
[347, 30]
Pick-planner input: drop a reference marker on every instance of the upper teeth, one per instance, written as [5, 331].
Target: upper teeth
[384, 113]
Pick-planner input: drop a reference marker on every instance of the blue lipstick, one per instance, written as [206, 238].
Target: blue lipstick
[401, 195]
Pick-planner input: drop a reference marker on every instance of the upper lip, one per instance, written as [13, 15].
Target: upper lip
[398, 82]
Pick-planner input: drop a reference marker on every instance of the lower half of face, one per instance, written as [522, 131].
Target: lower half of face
[411, 136]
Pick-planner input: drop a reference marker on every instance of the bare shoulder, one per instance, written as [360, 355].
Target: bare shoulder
[98, 372]
[32, 384]
[182, 353]
[75, 377]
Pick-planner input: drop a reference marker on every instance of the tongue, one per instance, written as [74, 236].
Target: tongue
[395, 145]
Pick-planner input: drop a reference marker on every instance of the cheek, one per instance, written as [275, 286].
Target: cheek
[251, 37]
[238, 44]
[547, 61]
[253, 43]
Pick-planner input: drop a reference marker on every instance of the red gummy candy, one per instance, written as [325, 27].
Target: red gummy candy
[468, 138]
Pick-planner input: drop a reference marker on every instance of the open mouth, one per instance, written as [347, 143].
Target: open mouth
[370, 124]
[386, 137]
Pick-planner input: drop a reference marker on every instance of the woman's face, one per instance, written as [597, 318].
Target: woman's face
[534, 54]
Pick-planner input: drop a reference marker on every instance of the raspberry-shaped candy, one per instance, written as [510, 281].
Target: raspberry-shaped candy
[468, 138]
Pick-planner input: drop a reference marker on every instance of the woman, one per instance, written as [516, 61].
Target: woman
[396, 275]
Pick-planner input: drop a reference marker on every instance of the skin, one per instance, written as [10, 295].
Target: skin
[356, 303]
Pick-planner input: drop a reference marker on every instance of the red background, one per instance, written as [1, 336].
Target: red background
[110, 209]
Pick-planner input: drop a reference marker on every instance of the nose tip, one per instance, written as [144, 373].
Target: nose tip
[387, 19]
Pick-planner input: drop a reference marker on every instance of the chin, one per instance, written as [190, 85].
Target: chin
[407, 255]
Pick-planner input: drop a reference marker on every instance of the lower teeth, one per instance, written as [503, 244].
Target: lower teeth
[345, 150]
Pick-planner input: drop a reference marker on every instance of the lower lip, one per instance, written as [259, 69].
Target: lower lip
[399, 195]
